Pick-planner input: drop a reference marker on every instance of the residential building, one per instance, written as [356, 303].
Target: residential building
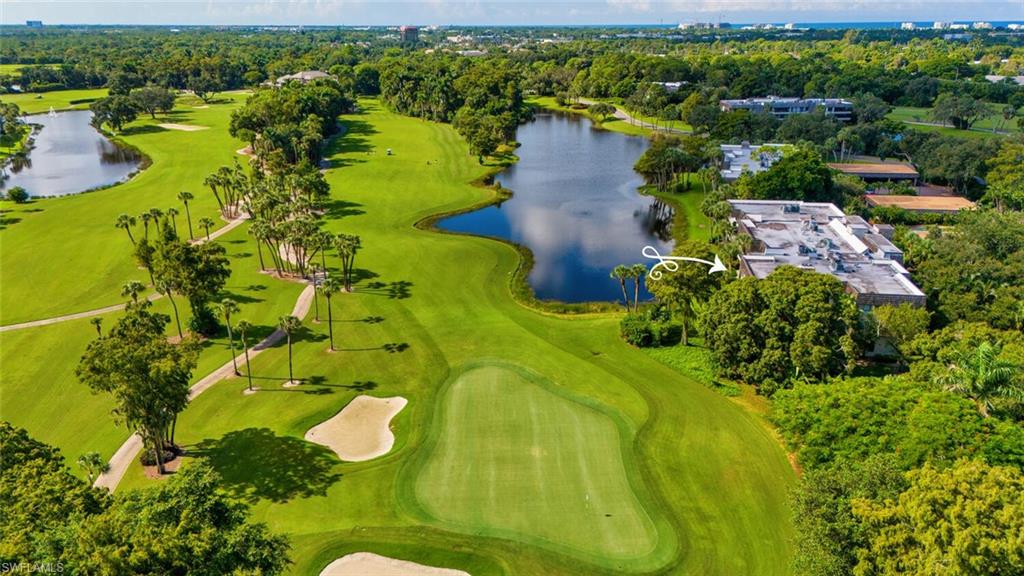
[908, 26]
[879, 172]
[922, 204]
[738, 159]
[305, 76]
[837, 108]
[818, 236]
[409, 34]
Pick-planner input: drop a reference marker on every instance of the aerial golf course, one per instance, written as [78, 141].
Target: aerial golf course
[531, 443]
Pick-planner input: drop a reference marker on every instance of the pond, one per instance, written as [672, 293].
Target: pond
[69, 156]
[576, 207]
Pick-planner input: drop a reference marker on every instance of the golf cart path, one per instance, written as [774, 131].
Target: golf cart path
[126, 454]
[625, 117]
[231, 225]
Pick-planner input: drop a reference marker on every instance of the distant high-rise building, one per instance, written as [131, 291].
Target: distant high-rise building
[410, 34]
[34, 23]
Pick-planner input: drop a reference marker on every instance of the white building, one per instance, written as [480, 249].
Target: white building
[305, 76]
[818, 236]
[739, 159]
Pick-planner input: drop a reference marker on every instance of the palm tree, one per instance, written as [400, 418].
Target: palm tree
[165, 287]
[156, 214]
[243, 327]
[93, 465]
[227, 308]
[207, 223]
[620, 273]
[289, 325]
[185, 197]
[133, 288]
[145, 217]
[171, 213]
[125, 221]
[213, 180]
[330, 286]
[97, 323]
[636, 272]
[982, 376]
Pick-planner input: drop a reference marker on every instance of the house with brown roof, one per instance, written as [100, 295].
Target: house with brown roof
[924, 204]
[879, 171]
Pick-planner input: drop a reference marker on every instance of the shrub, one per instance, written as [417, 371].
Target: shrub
[17, 194]
[637, 330]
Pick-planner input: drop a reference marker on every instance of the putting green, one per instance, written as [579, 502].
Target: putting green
[512, 458]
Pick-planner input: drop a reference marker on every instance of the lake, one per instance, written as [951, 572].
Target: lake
[576, 207]
[70, 156]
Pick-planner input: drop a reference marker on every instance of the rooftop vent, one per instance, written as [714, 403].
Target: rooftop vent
[791, 209]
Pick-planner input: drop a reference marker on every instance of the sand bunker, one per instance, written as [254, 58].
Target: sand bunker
[361, 431]
[369, 564]
[182, 127]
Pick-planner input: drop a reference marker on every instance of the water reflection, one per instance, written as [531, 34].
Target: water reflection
[576, 207]
[69, 156]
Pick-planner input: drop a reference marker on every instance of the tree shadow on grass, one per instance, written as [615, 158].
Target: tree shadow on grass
[144, 129]
[398, 290]
[256, 464]
[341, 208]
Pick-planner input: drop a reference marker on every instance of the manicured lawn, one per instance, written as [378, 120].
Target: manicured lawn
[63, 255]
[982, 129]
[64, 412]
[707, 472]
[509, 455]
[34, 103]
[613, 124]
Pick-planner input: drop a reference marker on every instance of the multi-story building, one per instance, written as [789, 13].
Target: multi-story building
[409, 34]
[782, 107]
[738, 159]
[820, 237]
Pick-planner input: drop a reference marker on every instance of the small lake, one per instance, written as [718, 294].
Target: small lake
[69, 156]
[576, 207]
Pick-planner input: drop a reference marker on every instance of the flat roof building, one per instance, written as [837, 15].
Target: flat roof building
[924, 204]
[782, 107]
[875, 172]
[818, 236]
[410, 34]
[738, 159]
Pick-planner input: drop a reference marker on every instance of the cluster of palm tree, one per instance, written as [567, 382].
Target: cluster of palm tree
[155, 216]
[623, 273]
[229, 187]
[984, 377]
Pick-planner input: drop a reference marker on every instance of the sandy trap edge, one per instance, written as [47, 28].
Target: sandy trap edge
[362, 430]
[182, 127]
[370, 564]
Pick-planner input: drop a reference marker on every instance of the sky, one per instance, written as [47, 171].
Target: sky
[497, 12]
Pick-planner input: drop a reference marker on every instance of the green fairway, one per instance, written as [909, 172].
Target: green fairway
[695, 483]
[921, 119]
[64, 255]
[508, 456]
[34, 103]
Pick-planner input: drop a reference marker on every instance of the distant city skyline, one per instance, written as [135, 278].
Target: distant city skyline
[500, 12]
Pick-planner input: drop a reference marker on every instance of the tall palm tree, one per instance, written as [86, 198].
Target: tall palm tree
[185, 197]
[145, 217]
[983, 377]
[126, 222]
[227, 308]
[157, 215]
[330, 286]
[165, 287]
[289, 325]
[213, 181]
[620, 273]
[207, 223]
[133, 288]
[244, 327]
[172, 212]
[636, 272]
[97, 323]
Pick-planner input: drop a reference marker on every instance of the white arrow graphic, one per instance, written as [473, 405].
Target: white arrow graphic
[671, 263]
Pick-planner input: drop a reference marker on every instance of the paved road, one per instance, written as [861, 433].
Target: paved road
[625, 117]
[129, 451]
[100, 311]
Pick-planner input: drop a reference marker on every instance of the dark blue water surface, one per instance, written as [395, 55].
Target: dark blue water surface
[576, 207]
